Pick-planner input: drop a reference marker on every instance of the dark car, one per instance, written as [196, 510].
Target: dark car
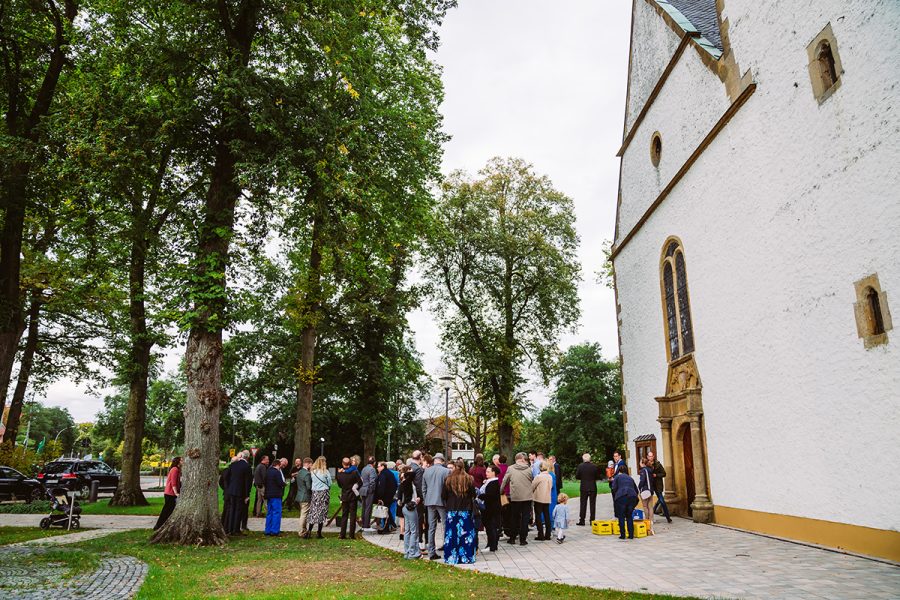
[77, 475]
[16, 486]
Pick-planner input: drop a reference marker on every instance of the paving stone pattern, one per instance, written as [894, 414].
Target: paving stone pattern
[688, 559]
[118, 577]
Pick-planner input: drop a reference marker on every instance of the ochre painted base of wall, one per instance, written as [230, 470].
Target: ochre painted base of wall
[882, 543]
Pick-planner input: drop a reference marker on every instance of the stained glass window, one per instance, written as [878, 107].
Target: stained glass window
[684, 307]
[671, 318]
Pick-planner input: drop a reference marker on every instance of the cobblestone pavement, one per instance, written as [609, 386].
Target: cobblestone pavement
[688, 559]
[25, 579]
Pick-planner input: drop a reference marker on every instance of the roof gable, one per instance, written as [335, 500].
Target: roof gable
[703, 16]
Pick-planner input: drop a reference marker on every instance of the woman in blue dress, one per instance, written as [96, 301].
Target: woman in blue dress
[459, 531]
[553, 495]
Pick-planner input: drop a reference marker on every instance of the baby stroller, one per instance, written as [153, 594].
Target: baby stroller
[59, 513]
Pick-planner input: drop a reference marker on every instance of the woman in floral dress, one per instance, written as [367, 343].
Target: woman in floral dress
[321, 493]
[459, 531]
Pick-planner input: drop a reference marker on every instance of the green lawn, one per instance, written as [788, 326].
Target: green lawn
[102, 507]
[14, 535]
[286, 568]
[571, 488]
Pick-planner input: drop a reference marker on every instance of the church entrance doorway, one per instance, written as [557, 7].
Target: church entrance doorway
[688, 456]
[684, 442]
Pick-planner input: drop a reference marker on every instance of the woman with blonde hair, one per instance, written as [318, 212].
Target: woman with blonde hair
[321, 493]
[459, 530]
[541, 489]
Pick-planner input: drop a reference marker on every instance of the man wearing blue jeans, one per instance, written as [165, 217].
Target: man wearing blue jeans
[659, 473]
[274, 494]
[432, 486]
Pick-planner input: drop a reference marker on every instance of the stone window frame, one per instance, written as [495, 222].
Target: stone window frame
[862, 311]
[666, 259]
[648, 442]
[655, 151]
[826, 36]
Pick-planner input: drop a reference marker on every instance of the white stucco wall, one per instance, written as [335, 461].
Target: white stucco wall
[653, 44]
[792, 203]
[686, 109]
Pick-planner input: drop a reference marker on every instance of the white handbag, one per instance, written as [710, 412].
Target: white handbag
[380, 511]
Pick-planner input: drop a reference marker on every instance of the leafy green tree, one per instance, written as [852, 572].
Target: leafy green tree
[585, 412]
[35, 45]
[502, 262]
[46, 423]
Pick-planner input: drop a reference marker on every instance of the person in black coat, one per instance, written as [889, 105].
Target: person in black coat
[347, 480]
[587, 473]
[385, 488]
[240, 480]
[489, 494]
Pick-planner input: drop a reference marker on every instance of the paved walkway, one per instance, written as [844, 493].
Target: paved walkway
[124, 522]
[23, 578]
[687, 559]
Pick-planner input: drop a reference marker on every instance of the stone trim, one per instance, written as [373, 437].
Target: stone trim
[655, 92]
[713, 133]
[820, 92]
[881, 543]
[865, 328]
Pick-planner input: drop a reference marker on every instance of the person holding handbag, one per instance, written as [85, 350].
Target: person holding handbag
[645, 486]
[458, 495]
[409, 500]
[385, 490]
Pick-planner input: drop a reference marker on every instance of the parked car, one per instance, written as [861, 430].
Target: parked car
[16, 486]
[76, 475]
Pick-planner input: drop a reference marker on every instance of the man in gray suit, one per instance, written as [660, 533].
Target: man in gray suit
[367, 492]
[432, 486]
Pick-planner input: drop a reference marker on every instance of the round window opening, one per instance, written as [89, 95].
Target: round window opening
[655, 149]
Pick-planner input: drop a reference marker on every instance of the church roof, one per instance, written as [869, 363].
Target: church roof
[699, 16]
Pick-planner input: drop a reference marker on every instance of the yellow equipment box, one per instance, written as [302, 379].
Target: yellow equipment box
[601, 527]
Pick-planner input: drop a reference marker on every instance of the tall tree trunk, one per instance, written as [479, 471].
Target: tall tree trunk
[506, 438]
[128, 492]
[195, 520]
[307, 369]
[14, 184]
[31, 342]
[368, 439]
[11, 324]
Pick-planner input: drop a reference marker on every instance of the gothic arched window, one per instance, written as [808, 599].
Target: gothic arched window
[676, 302]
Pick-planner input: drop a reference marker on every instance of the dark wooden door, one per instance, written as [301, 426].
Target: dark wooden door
[688, 465]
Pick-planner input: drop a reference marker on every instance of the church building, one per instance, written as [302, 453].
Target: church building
[757, 263]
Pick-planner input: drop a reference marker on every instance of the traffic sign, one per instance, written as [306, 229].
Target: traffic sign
[253, 451]
[231, 452]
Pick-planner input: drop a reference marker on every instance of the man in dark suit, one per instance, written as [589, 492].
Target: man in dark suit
[238, 492]
[347, 478]
[587, 474]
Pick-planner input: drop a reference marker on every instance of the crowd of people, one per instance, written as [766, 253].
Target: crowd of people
[416, 495]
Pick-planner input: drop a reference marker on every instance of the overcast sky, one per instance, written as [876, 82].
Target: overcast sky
[538, 79]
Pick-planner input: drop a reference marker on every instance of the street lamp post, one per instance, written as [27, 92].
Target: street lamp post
[233, 427]
[56, 439]
[321, 446]
[446, 379]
